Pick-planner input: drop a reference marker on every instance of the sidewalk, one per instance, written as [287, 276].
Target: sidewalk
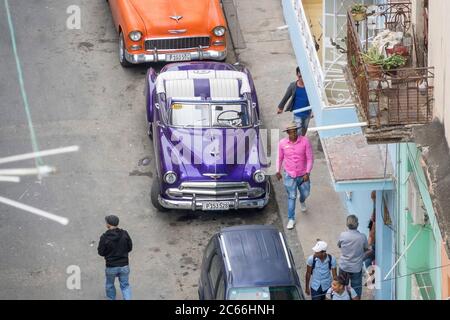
[270, 58]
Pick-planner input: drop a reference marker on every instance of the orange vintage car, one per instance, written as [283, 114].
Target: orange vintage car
[169, 30]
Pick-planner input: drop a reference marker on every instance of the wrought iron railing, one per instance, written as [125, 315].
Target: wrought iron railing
[310, 45]
[331, 85]
[396, 97]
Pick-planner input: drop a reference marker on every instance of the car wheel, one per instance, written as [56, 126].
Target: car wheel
[154, 194]
[123, 61]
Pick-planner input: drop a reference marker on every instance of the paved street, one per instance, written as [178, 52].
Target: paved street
[80, 95]
[61, 87]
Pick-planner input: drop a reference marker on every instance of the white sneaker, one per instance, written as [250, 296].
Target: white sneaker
[291, 224]
[303, 206]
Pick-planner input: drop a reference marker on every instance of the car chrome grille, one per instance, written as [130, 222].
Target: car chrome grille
[215, 190]
[177, 43]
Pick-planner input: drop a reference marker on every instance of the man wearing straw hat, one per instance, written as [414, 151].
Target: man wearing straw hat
[296, 156]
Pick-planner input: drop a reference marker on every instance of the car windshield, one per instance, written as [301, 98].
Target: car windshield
[219, 115]
[264, 293]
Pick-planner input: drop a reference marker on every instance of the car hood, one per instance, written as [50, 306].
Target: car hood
[195, 152]
[156, 15]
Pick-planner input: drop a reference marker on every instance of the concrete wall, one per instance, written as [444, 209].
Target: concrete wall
[424, 254]
[439, 52]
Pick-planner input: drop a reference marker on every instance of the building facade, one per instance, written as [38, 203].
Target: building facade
[367, 130]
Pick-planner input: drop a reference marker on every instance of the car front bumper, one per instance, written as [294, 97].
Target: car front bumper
[193, 55]
[235, 204]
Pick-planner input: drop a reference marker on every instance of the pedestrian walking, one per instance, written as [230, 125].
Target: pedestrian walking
[320, 271]
[298, 99]
[341, 291]
[114, 245]
[296, 156]
[354, 247]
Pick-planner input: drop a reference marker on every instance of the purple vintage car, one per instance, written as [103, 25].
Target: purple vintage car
[204, 122]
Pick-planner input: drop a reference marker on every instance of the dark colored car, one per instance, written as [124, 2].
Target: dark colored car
[204, 121]
[249, 262]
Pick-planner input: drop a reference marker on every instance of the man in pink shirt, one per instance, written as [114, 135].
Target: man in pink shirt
[295, 152]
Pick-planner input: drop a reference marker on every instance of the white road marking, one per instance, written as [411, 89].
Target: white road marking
[39, 154]
[9, 179]
[23, 92]
[62, 220]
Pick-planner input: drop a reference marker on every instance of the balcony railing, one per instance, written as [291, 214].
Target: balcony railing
[310, 46]
[331, 85]
[388, 99]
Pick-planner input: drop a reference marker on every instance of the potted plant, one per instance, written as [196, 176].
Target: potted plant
[374, 61]
[393, 62]
[399, 49]
[359, 12]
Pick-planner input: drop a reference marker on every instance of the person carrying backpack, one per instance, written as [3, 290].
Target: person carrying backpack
[320, 271]
[340, 291]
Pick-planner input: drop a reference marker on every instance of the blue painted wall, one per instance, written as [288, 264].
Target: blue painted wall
[361, 205]
[385, 244]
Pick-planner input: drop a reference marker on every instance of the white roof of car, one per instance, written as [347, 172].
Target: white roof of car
[223, 84]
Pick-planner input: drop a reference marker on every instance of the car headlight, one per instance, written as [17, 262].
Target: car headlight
[219, 31]
[259, 176]
[135, 35]
[170, 177]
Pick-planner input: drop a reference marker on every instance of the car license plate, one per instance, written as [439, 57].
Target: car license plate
[178, 57]
[216, 205]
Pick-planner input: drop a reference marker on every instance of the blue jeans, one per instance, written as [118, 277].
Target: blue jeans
[302, 122]
[318, 294]
[291, 185]
[123, 274]
[355, 280]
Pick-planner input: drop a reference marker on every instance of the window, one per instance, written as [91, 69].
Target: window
[190, 115]
[422, 287]
[335, 28]
[210, 248]
[227, 114]
[265, 293]
[215, 269]
[220, 294]
[230, 115]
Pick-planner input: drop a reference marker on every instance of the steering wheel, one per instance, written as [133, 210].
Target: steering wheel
[231, 121]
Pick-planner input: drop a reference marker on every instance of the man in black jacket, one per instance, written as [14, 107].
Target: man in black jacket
[114, 245]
